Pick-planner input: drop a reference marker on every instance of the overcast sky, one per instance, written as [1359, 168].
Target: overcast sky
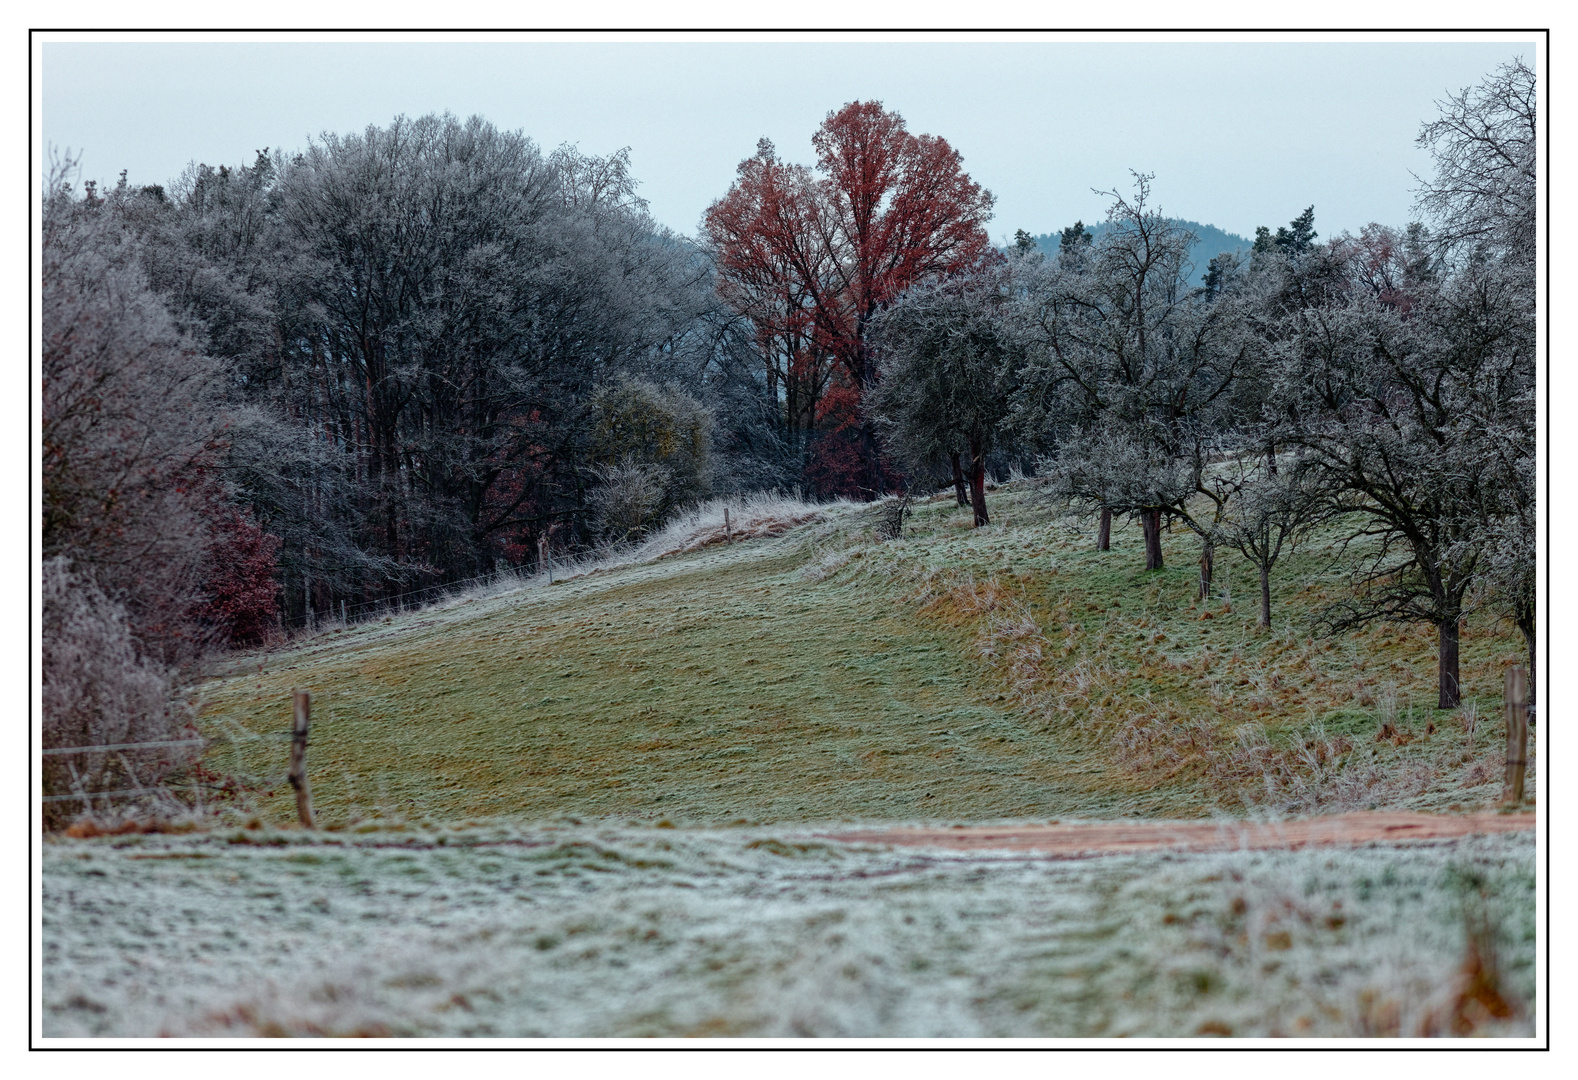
[1238, 134]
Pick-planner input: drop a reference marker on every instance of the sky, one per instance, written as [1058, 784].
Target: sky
[1238, 133]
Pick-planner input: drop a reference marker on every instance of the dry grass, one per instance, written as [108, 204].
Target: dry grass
[750, 517]
[1193, 699]
[711, 686]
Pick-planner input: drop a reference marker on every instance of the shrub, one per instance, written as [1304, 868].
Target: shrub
[243, 595]
[99, 689]
[636, 423]
[630, 501]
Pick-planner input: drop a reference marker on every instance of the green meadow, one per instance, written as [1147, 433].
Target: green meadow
[825, 674]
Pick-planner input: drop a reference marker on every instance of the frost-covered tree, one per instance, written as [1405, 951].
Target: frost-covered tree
[1483, 190]
[1482, 201]
[1407, 378]
[1270, 508]
[948, 360]
[449, 299]
[1398, 412]
[139, 537]
[410, 323]
[131, 430]
[1135, 370]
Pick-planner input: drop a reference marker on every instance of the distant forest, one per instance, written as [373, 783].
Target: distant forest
[1209, 242]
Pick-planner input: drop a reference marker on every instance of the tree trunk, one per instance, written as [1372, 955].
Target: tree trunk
[978, 483]
[1207, 565]
[1104, 534]
[1446, 665]
[1151, 522]
[1271, 458]
[1265, 596]
[959, 491]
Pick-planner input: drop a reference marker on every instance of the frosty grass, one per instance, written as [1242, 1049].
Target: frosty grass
[587, 930]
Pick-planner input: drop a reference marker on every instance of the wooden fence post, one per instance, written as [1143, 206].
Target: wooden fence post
[298, 756]
[1517, 697]
[728, 533]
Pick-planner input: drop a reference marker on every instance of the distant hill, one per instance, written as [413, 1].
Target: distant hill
[1209, 242]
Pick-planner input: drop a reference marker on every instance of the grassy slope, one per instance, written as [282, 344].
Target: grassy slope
[822, 675]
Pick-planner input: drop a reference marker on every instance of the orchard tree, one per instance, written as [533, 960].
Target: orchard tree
[1482, 202]
[1269, 511]
[1399, 415]
[1136, 370]
[1407, 380]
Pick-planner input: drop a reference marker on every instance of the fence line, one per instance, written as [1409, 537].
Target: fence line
[87, 797]
[90, 796]
[397, 602]
[106, 747]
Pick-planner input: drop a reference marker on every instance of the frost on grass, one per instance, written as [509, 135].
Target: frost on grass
[582, 930]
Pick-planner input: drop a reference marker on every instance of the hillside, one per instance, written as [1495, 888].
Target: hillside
[821, 675]
[601, 808]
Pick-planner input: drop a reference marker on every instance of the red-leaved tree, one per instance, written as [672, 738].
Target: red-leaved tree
[811, 258]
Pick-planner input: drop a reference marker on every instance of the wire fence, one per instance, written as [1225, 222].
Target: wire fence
[87, 797]
[104, 748]
[400, 603]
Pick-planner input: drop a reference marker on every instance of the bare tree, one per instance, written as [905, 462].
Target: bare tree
[1411, 392]
[1270, 508]
[1396, 412]
[1482, 200]
[1483, 191]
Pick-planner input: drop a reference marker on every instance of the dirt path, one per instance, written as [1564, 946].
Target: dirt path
[1084, 839]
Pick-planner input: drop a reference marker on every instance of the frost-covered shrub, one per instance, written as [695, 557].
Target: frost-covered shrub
[629, 502]
[99, 689]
